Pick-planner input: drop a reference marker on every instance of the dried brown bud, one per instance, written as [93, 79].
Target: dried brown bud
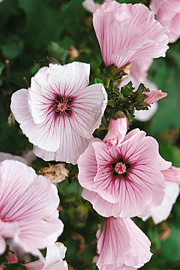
[56, 173]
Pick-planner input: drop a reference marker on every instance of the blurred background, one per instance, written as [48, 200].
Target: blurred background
[33, 34]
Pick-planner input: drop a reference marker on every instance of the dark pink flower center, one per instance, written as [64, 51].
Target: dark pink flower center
[120, 168]
[63, 106]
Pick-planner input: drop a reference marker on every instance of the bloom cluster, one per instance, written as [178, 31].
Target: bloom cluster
[123, 176]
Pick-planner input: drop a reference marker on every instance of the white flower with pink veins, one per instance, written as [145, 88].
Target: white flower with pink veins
[28, 209]
[59, 112]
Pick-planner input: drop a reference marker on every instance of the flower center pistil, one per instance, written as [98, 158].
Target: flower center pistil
[120, 168]
[62, 106]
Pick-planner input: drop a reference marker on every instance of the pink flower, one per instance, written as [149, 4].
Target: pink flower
[161, 212]
[53, 260]
[28, 208]
[11, 258]
[122, 246]
[168, 14]
[128, 32]
[116, 132]
[124, 180]
[59, 112]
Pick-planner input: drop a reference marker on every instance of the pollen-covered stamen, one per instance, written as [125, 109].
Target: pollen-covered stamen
[120, 168]
[62, 105]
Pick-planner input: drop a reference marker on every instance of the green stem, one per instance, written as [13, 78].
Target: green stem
[107, 83]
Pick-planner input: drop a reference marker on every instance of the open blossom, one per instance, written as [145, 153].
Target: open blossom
[54, 259]
[122, 246]
[128, 32]
[59, 112]
[168, 14]
[28, 208]
[123, 180]
[161, 212]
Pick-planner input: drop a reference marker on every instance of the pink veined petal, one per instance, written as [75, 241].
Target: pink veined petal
[45, 135]
[70, 142]
[125, 35]
[116, 131]
[172, 175]
[162, 211]
[113, 243]
[4, 156]
[154, 95]
[30, 203]
[122, 245]
[43, 97]
[88, 109]
[75, 77]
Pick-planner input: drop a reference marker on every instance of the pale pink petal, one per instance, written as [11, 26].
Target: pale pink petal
[116, 131]
[55, 253]
[122, 245]
[6, 230]
[162, 211]
[168, 14]
[88, 109]
[53, 261]
[172, 175]
[146, 115]
[90, 5]
[30, 202]
[42, 135]
[128, 32]
[154, 95]
[70, 142]
[4, 156]
[139, 68]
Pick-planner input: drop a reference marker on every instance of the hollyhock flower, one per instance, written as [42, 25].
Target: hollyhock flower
[168, 14]
[28, 208]
[53, 260]
[59, 112]
[152, 96]
[161, 212]
[128, 32]
[124, 180]
[122, 246]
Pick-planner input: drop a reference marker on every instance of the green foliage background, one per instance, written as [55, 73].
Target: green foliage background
[34, 32]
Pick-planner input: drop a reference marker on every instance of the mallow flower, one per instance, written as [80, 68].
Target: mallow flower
[59, 112]
[167, 12]
[122, 175]
[128, 32]
[28, 209]
[122, 246]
